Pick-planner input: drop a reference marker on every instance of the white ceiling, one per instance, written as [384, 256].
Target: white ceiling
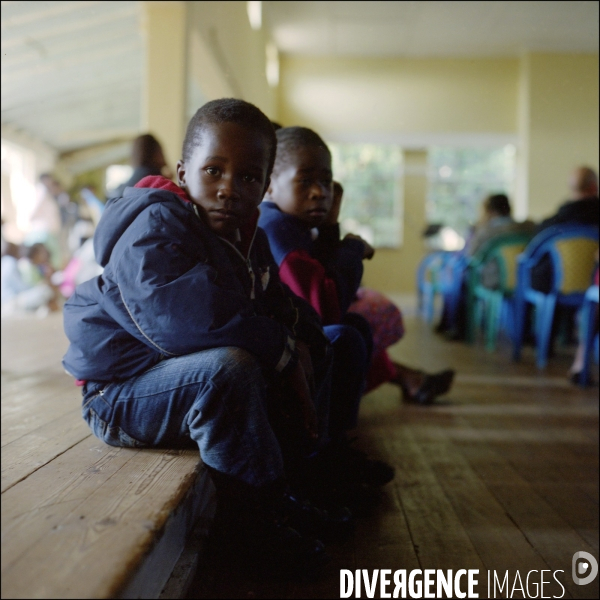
[71, 71]
[392, 29]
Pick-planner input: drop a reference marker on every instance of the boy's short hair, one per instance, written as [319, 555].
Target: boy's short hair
[290, 139]
[229, 110]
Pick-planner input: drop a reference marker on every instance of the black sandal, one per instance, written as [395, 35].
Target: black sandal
[432, 386]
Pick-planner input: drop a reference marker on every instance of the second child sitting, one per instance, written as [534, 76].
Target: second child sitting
[300, 215]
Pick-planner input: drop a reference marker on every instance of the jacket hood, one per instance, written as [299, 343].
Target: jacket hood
[120, 212]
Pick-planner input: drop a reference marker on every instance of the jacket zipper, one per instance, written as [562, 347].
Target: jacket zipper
[246, 259]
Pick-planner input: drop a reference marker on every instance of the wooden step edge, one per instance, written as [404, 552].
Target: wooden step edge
[158, 566]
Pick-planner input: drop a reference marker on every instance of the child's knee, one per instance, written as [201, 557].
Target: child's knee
[239, 364]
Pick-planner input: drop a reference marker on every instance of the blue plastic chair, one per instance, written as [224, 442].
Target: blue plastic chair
[572, 249]
[452, 279]
[493, 308]
[589, 333]
[430, 281]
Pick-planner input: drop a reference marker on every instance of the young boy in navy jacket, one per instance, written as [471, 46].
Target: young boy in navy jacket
[178, 340]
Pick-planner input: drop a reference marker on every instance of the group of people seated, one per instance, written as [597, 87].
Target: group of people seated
[53, 256]
[229, 316]
[495, 223]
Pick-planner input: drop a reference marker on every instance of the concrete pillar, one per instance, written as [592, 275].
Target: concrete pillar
[165, 69]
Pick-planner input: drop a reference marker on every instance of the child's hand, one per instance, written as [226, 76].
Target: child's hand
[368, 251]
[334, 212]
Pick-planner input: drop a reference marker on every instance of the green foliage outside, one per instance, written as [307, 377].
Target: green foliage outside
[461, 178]
[372, 204]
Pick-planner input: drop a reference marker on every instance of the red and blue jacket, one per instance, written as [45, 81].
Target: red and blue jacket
[172, 287]
[326, 271]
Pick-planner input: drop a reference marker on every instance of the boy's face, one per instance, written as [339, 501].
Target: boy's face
[303, 187]
[226, 176]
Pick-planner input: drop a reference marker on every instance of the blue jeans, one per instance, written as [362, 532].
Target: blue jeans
[214, 398]
[350, 364]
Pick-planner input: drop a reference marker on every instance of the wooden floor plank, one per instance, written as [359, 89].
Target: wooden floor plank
[135, 500]
[437, 532]
[38, 504]
[30, 452]
[45, 403]
[547, 532]
[574, 506]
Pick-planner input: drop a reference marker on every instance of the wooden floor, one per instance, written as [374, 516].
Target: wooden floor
[500, 475]
[81, 519]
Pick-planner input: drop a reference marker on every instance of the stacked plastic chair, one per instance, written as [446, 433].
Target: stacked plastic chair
[588, 332]
[493, 307]
[571, 249]
[431, 281]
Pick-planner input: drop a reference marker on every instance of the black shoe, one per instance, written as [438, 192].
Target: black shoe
[357, 468]
[250, 530]
[575, 379]
[338, 465]
[269, 549]
[455, 335]
[334, 523]
[432, 387]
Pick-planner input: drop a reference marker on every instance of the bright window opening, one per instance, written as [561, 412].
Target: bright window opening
[460, 179]
[371, 175]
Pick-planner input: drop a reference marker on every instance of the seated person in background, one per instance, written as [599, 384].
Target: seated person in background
[301, 219]
[147, 158]
[45, 219]
[80, 268]
[583, 208]
[26, 282]
[496, 220]
[181, 338]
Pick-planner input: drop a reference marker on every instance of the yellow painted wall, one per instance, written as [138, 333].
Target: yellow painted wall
[563, 125]
[394, 270]
[413, 95]
[238, 51]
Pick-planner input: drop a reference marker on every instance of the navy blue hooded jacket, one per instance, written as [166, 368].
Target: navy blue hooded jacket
[171, 287]
[325, 272]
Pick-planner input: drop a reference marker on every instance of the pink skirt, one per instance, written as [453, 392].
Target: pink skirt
[383, 316]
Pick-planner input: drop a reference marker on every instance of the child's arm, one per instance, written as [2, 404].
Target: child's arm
[341, 260]
[330, 288]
